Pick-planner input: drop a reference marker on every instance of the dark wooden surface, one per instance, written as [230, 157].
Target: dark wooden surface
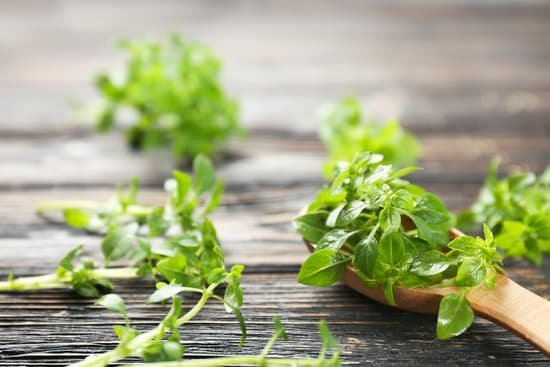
[472, 79]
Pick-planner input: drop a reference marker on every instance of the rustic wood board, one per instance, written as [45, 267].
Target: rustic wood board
[472, 79]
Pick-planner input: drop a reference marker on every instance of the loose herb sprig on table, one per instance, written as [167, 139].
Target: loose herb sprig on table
[156, 239]
[394, 234]
[173, 89]
[517, 208]
[161, 351]
[152, 345]
[346, 131]
[175, 244]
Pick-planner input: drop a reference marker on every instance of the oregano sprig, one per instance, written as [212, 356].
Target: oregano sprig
[162, 347]
[173, 92]
[346, 131]
[176, 244]
[517, 208]
[173, 242]
[394, 234]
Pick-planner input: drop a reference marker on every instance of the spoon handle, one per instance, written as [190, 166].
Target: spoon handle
[517, 309]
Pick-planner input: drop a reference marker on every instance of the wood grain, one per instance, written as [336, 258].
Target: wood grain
[471, 79]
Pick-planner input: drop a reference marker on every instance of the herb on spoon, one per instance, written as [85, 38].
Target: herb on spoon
[394, 234]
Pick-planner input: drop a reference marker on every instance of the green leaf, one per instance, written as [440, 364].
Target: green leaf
[454, 317]
[113, 303]
[403, 199]
[431, 219]
[430, 263]
[326, 198]
[350, 212]
[67, 261]
[365, 255]
[391, 248]
[157, 224]
[166, 292]
[205, 175]
[279, 328]
[87, 284]
[128, 197]
[182, 186]
[335, 239]
[118, 243]
[161, 351]
[431, 233]
[333, 216]
[405, 171]
[311, 226]
[487, 234]
[125, 333]
[540, 224]
[242, 324]
[390, 219]
[233, 296]
[465, 244]
[323, 268]
[76, 218]
[380, 173]
[471, 272]
[173, 268]
[328, 340]
[216, 197]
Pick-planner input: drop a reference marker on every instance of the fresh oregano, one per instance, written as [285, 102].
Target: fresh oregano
[394, 234]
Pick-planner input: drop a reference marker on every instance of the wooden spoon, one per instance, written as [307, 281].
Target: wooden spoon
[509, 304]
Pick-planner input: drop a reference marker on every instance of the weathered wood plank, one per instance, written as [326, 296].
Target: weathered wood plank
[261, 160]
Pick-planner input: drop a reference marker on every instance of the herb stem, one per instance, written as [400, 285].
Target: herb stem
[236, 361]
[134, 210]
[269, 345]
[68, 204]
[54, 281]
[47, 281]
[206, 294]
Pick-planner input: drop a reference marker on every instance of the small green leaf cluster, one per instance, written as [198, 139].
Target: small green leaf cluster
[346, 132]
[82, 278]
[393, 233]
[517, 208]
[174, 242]
[174, 93]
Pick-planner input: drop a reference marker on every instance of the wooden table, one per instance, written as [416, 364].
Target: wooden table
[471, 79]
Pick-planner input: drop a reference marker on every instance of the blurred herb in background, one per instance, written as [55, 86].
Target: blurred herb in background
[517, 208]
[346, 132]
[174, 92]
